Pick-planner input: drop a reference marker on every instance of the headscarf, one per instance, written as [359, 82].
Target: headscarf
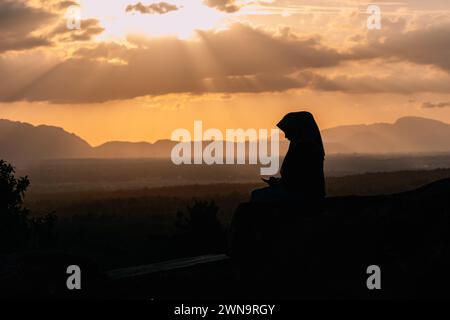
[301, 127]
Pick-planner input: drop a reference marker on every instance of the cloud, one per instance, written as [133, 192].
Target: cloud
[22, 43]
[64, 4]
[88, 29]
[393, 83]
[24, 27]
[228, 6]
[159, 8]
[429, 105]
[429, 45]
[17, 22]
[264, 62]
[158, 66]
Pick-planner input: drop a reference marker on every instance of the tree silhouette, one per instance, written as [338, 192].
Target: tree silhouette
[18, 231]
[13, 215]
[201, 227]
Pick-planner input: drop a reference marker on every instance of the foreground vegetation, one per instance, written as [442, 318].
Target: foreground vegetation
[105, 230]
[129, 227]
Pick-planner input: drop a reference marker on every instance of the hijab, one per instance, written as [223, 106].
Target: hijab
[301, 127]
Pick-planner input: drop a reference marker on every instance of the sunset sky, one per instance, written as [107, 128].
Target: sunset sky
[137, 70]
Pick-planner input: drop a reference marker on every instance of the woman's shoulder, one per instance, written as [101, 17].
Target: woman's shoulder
[304, 146]
[306, 150]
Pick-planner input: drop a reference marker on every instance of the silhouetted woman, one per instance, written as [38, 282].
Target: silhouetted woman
[302, 177]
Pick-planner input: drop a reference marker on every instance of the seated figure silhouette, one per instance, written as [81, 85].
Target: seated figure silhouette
[302, 177]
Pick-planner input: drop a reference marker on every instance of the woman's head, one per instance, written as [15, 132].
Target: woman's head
[301, 127]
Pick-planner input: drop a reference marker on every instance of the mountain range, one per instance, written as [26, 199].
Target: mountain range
[23, 143]
[406, 135]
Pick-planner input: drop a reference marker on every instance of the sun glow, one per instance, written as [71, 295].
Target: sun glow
[118, 23]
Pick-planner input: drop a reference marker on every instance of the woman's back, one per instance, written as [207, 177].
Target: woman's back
[302, 170]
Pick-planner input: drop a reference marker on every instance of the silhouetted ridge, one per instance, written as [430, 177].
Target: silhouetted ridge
[406, 135]
[23, 143]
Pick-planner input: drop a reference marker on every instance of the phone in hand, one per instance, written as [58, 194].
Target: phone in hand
[271, 181]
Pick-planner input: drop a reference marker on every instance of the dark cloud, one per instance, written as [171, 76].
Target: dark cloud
[17, 22]
[395, 83]
[157, 66]
[428, 105]
[228, 6]
[160, 8]
[22, 43]
[429, 45]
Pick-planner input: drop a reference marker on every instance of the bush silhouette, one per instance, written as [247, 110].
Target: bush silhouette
[13, 215]
[201, 229]
[17, 230]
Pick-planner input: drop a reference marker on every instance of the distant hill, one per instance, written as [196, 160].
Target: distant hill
[407, 134]
[159, 149]
[23, 143]
[121, 149]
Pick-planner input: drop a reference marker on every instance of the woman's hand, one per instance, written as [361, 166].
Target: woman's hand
[272, 181]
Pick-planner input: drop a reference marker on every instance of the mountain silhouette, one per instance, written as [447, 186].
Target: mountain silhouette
[23, 143]
[123, 149]
[407, 134]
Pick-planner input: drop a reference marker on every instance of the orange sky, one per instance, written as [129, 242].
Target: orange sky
[137, 71]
